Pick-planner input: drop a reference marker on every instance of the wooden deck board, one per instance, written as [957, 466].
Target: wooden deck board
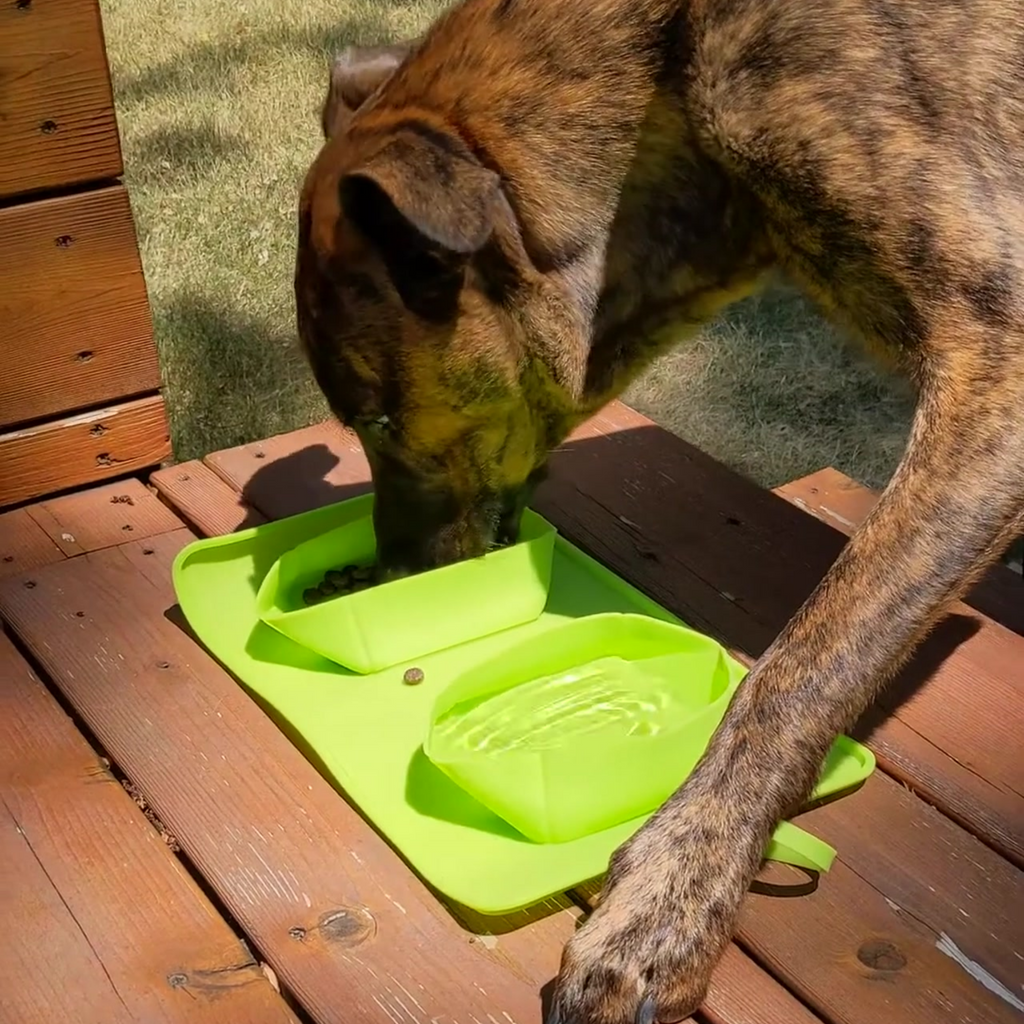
[83, 449]
[54, 68]
[98, 517]
[600, 496]
[906, 876]
[203, 499]
[935, 872]
[295, 472]
[94, 345]
[843, 503]
[103, 924]
[102, 517]
[32, 992]
[24, 544]
[742, 993]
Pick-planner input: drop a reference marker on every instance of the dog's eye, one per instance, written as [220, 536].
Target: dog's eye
[378, 428]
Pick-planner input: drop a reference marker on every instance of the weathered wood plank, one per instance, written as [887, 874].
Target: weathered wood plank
[84, 449]
[103, 923]
[294, 472]
[203, 499]
[843, 504]
[101, 517]
[77, 326]
[24, 544]
[58, 115]
[77, 991]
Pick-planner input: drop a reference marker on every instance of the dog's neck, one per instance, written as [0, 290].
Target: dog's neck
[615, 199]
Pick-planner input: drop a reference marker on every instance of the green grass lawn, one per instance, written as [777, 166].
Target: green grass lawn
[218, 106]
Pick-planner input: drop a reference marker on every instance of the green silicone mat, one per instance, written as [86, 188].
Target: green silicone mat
[366, 732]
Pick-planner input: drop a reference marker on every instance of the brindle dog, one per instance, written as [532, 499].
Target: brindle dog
[512, 217]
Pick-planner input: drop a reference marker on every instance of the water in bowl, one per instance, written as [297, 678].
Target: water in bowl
[609, 694]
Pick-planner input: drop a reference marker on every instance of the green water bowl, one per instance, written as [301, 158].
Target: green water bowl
[594, 725]
[408, 618]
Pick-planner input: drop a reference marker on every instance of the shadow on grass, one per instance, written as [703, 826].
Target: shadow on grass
[772, 389]
[217, 66]
[773, 319]
[169, 156]
[230, 376]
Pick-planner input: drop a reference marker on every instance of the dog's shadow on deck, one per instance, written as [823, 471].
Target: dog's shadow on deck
[294, 483]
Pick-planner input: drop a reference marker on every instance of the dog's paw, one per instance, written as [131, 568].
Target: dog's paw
[648, 951]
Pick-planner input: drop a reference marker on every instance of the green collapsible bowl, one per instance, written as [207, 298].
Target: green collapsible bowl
[561, 788]
[408, 618]
[557, 781]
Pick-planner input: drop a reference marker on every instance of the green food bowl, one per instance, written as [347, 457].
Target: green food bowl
[594, 724]
[409, 618]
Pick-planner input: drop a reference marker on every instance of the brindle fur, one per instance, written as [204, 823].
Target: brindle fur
[515, 215]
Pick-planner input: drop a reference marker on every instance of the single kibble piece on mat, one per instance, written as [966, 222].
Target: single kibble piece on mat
[312, 596]
[413, 676]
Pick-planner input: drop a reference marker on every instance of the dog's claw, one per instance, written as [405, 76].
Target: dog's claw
[646, 1011]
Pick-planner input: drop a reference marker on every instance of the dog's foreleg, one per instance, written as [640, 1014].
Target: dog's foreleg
[673, 891]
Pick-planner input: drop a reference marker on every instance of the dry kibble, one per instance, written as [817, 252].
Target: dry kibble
[413, 676]
[339, 582]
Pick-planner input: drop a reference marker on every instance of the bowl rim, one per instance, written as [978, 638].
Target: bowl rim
[545, 535]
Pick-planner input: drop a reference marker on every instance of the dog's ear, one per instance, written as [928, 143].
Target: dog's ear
[427, 205]
[356, 73]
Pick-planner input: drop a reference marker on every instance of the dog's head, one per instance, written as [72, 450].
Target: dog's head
[421, 318]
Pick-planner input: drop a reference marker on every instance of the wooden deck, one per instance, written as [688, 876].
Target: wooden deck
[166, 855]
